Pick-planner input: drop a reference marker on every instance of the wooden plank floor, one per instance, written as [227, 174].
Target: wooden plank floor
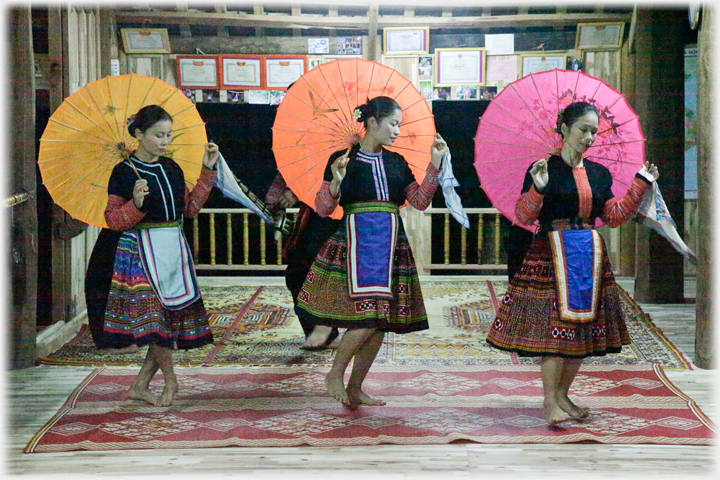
[35, 394]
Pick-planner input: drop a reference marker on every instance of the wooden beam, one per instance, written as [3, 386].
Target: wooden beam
[343, 22]
[23, 253]
[259, 10]
[447, 12]
[409, 11]
[373, 11]
[296, 12]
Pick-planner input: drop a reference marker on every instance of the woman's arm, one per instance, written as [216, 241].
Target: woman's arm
[121, 214]
[325, 203]
[420, 196]
[195, 199]
[618, 211]
[528, 206]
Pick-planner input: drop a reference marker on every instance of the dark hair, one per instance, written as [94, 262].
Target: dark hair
[377, 108]
[572, 112]
[148, 116]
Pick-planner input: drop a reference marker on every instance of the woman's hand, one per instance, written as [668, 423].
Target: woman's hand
[287, 199]
[211, 155]
[140, 191]
[650, 172]
[338, 169]
[539, 174]
[437, 151]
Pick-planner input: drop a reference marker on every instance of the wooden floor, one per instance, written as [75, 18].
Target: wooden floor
[35, 394]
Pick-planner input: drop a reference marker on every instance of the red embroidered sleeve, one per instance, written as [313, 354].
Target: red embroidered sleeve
[527, 208]
[325, 204]
[195, 200]
[277, 188]
[420, 196]
[616, 212]
[121, 214]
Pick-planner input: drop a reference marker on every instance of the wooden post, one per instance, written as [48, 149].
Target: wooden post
[660, 53]
[704, 329]
[24, 228]
[372, 31]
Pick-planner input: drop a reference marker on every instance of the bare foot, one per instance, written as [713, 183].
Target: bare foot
[362, 398]
[168, 393]
[554, 414]
[335, 343]
[144, 394]
[336, 389]
[317, 337]
[118, 351]
[575, 412]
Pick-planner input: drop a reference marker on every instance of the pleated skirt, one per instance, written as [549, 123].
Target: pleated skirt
[325, 299]
[528, 321]
[135, 314]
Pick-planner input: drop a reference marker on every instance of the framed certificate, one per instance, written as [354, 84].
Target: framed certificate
[145, 40]
[197, 71]
[241, 71]
[459, 66]
[599, 35]
[405, 40]
[542, 63]
[283, 70]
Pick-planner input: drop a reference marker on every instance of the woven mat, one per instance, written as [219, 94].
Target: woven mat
[257, 326]
[278, 406]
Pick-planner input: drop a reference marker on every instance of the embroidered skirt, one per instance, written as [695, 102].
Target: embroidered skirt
[325, 297]
[528, 321]
[134, 313]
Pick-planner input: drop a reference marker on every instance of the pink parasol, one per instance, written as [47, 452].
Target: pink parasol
[518, 128]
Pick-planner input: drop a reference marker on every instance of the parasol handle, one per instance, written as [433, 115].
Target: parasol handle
[134, 169]
[126, 155]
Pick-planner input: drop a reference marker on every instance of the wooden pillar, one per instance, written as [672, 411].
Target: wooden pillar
[24, 229]
[659, 43]
[373, 44]
[704, 330]
[59, 88]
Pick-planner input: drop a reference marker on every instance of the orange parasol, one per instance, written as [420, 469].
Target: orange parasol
[315, 119]
[87, 136]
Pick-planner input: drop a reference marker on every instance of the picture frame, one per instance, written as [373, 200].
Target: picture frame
[145, 40]
[599, 35]
[459, 66]
[282, 70]
[535, 63]
[147, 65]
[198, 72]
[406, 40]
[242, 72]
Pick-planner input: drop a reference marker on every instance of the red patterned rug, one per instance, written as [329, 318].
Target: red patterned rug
[280, 406]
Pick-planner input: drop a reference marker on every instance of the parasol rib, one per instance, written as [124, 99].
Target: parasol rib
[512, 131]
[113, 128]
[340, 126]
[345, 123]
[347, 100]
[519, 120]
[306, 157]
[312, 121]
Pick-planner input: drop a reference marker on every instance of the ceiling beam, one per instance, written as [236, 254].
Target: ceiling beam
[346, 22]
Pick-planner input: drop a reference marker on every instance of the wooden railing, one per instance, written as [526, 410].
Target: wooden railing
[486, 226]
[236, 239]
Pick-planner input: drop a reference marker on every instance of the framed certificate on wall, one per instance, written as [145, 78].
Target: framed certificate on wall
[542, 63]
[599, 35]
[197, 71]
[145, 40]
[241, 72]
[405, 40]
[459, 66]
[283, 70]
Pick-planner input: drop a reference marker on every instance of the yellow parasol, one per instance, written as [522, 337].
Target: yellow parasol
[87, 136]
